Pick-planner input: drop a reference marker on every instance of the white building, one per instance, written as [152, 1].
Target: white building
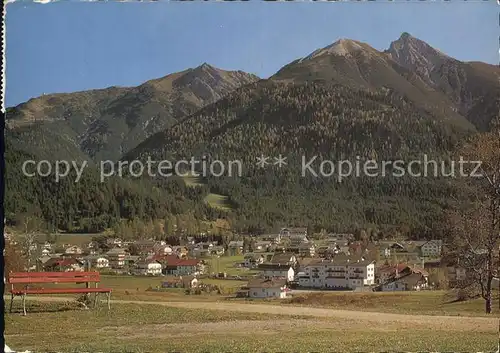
[152, 268]
[412, 282]
[432, 248]
[270, 270]
[268, 288]
[97, 261]
[252, 260]
[338, 274]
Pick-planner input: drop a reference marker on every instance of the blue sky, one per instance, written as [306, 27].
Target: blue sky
[73, 46]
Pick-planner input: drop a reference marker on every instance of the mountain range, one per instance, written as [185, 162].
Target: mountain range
[339, 102]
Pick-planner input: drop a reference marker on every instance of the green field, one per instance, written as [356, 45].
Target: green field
[226, 264]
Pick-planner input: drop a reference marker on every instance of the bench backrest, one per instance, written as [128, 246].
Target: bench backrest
[53, 277]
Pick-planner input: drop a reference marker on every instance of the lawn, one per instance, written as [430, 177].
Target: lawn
[227, 264]
[218, 201]
[153, 328]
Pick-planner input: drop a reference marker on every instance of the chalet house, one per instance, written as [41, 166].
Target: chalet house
[267, 288]
[338, 273]
[180, 251]
[288, 232]
[252, 260]
[271, 270]
[114, 242]
[163, 249]
[217, 250]
[179, 267]
[384, 251]
[390, 273]
[262, 245]
[414, 281]
[287, 258]
[97, 261]
[144, 246]
[73, 249]
[340, 237]
[116, 257]
[148, 267]
[273, 238]
[432, 248]
[235, 247]
[63, 265]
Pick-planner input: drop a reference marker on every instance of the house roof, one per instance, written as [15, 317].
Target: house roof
[411, 280]
[61, 262]
[275, 267]
[282, 258]
[266, 283]
[172, 260]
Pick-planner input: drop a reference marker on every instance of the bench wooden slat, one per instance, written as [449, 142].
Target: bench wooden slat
[28, 280]
[60, 291]
[54, 274]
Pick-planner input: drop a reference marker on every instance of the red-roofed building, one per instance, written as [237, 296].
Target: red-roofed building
[182, 267]
[63, 265]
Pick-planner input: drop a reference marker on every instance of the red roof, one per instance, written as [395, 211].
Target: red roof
[173, 260]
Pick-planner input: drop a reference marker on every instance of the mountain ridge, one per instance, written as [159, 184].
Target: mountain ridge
[105, 123]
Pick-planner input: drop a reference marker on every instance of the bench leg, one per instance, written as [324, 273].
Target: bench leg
[95, 300]
[24, 304]
[109, 300]
[11, 302]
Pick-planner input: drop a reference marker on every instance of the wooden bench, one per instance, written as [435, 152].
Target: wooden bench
[31, 278]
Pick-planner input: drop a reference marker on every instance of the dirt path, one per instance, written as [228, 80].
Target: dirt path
[427, 321]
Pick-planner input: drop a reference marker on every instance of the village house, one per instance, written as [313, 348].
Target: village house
[338, 273]
[267, 288]
[148, 267]
[63, 265]
[180, 251]
[432, 248]
[114, 242]
[389, 272]
[97, 261]
[252, 260]
[179, 267]
[73, 249]
[273, 238]
[289, 232]
[262, 245]
[235, 247]
[130, 260]
[286, 258]
[270, 270]
[411, 282]
[340, 237]
[162, 249]
[116, 257]
[144, 246]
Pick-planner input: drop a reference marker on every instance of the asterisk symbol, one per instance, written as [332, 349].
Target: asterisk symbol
[262, 161]
[280, 161]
